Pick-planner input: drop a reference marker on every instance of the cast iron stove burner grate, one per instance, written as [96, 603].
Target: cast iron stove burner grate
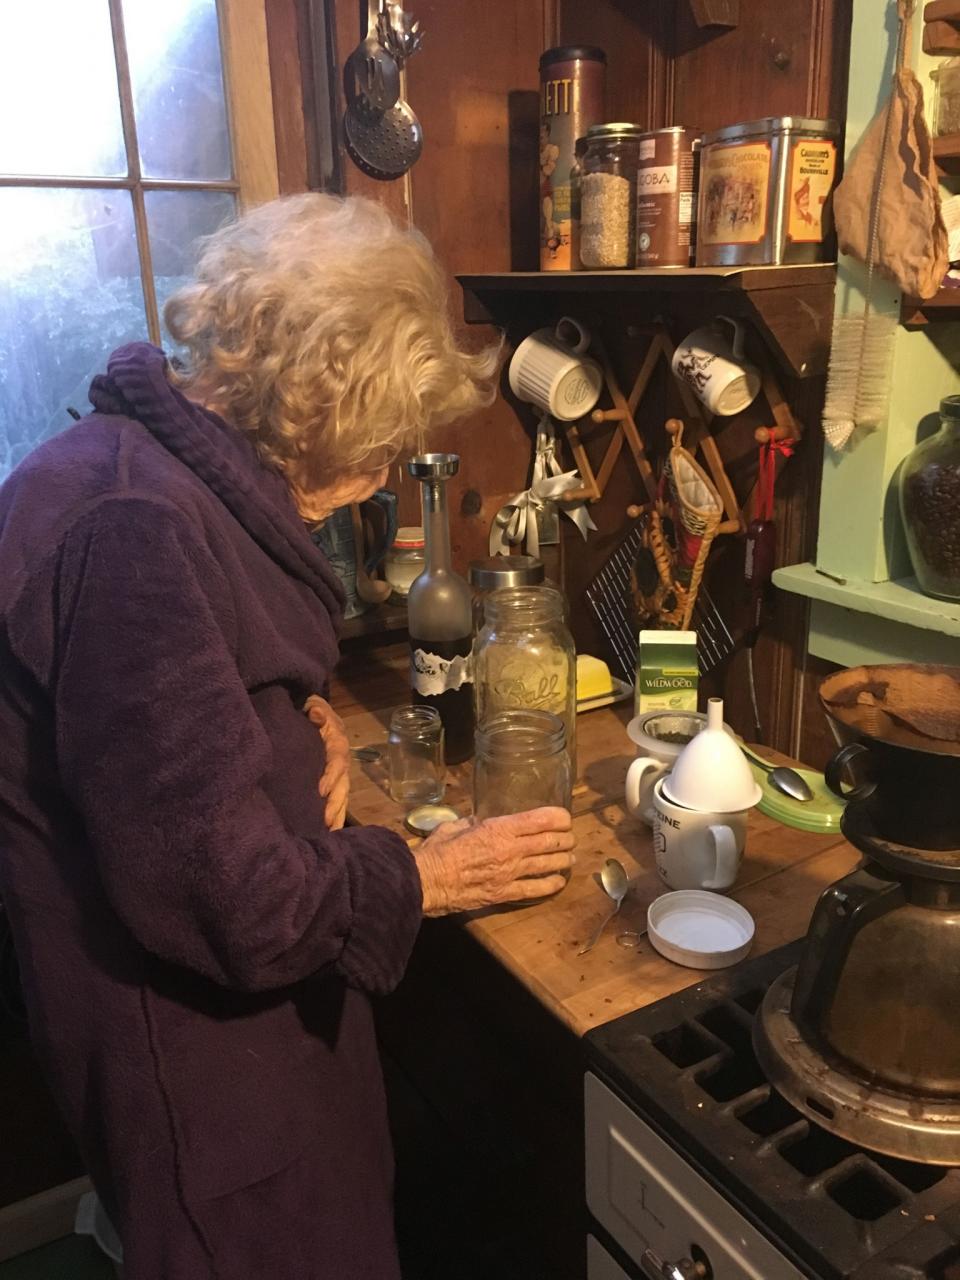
[837, 1210]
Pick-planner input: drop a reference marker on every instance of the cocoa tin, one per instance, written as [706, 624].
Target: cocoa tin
[765, 192]
[667, 197]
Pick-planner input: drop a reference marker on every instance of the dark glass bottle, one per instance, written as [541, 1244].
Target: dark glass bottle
[440, 616]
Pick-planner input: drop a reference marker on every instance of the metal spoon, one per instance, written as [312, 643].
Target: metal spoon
[782, 778]
[613, 878]
[374, 67]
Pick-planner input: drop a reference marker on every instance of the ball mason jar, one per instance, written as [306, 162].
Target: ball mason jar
[608, 196]
[524, 658]
[520, 763]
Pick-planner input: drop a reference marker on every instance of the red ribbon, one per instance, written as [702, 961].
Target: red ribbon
[768, 473]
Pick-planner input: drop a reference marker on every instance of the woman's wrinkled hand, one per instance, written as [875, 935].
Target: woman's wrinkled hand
[469, 864]
[334, 786]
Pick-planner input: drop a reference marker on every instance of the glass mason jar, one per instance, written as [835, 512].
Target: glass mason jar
[405, 560]
[946, 111]
[521, 763]
[524, 658]
[496, 572]
[930, 505]
[415, 756]
[608, 196]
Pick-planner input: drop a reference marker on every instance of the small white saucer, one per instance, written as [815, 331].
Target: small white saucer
[699, 929]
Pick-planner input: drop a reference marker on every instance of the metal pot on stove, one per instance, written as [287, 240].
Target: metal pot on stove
[899, 732]
[863, 1037]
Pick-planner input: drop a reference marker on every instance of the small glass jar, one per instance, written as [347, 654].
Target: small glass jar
[930, 505]
[608, 196]
[521, 763]
[415, 756]
[946, 111]
[496, 572]
[524, 658]
[405, 560]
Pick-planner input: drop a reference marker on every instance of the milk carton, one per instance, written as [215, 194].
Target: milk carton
[667, 672]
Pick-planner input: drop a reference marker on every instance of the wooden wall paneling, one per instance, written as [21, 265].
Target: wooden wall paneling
[287, 71]
[636, 39]
[780, 60]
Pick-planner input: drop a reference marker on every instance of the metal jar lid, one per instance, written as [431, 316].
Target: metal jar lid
[427, 817]
[505, 571]
[671, 128]
[572, 53]
[770, 125]
[618, 129]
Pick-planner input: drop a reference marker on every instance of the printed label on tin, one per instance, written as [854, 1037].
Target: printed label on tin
[734, 181]
[686, 209]
[648, 149]
[657, 180]
[813, 163]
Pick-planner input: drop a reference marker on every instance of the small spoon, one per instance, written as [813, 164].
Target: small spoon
[782, 778]
[613, 878]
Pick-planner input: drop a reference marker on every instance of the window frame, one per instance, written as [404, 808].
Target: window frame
[250, 126]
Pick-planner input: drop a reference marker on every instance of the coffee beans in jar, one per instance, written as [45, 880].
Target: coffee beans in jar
[608, 189]
[930, 505]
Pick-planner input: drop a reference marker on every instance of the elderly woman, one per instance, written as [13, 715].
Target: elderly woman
[199, 938]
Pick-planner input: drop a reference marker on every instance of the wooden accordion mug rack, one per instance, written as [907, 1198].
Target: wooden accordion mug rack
[697, 432]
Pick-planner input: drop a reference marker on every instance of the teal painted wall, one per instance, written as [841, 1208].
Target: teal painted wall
[860, 535]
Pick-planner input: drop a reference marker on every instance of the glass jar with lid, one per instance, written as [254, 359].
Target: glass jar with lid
[524, 658]
[930, 505]
[496, 572]
[521, 763]
[405, 560]
[608, 196]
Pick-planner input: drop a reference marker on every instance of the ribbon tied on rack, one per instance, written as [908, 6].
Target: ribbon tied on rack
[515, 524]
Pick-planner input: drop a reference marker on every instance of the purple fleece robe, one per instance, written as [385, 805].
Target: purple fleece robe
[197, 948]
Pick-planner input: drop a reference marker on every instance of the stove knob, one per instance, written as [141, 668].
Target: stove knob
[685, 1269]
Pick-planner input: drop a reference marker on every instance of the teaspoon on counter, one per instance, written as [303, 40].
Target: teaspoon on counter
[782, 777]
[614, 882]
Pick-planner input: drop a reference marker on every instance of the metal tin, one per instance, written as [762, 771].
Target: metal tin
[666, 215]
[765, 192]
[572, 84]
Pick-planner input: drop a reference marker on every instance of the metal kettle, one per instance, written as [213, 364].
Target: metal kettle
[879, 982]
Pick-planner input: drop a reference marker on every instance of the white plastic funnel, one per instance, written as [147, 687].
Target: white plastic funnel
[711, 773]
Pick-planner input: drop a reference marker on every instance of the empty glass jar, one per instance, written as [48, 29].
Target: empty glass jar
[415, 756]
[524, 658]
[521, 763]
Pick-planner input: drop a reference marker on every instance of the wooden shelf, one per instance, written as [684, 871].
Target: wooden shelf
[792, 306]
[944, 305]
[946, 153]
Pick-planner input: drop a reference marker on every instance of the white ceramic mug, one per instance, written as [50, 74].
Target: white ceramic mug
[695, 850]
[551, 370]
[651, 733]
[715, 368]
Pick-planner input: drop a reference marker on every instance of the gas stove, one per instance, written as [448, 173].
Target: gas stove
[693, 1155]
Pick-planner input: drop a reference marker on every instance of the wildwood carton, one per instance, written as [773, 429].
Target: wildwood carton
[667, 672]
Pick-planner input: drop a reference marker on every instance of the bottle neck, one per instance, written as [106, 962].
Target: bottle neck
[436, 526]
[950, 428]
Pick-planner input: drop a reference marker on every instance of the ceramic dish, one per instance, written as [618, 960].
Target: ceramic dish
[699, 929]
[621, 691]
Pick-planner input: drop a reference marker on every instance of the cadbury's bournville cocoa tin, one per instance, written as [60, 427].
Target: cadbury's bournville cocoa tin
[667, 197]
[572, 85]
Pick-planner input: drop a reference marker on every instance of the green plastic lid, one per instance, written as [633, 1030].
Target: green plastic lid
[821, 814]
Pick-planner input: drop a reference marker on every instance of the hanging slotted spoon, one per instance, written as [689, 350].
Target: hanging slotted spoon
[373, 67]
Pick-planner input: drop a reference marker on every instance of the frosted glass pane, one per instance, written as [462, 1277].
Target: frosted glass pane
[177, 75]
[59, 104]
[177, 219]
[69, 293]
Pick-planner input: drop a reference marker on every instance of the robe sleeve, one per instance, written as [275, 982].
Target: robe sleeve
[162, 753]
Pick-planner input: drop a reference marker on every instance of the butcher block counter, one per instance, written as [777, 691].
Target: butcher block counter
[782, 875]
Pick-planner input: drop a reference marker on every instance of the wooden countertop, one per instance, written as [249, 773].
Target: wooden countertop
[783, 874]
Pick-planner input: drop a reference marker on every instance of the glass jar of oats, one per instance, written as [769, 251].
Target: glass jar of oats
[608, 196]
